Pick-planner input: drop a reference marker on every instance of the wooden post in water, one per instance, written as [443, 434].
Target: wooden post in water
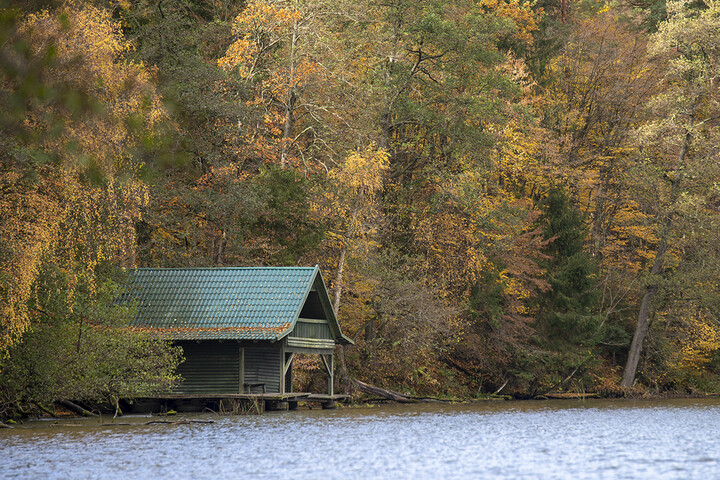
[275, 405]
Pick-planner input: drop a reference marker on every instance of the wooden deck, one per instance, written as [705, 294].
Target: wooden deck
[231, 403]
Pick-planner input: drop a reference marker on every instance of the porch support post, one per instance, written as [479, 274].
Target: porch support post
[328, 362]
[288, 362]
[287, 382]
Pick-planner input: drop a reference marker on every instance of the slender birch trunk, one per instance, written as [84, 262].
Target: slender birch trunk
[289, 102]
[336, 308]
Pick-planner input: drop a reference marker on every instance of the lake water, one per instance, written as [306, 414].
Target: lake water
[618, 439]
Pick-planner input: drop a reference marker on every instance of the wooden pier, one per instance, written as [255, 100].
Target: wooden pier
[231, 403]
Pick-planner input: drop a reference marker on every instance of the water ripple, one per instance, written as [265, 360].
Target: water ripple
[521, 440]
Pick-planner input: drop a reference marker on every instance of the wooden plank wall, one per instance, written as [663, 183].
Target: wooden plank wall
[263, 365]
[210, 367]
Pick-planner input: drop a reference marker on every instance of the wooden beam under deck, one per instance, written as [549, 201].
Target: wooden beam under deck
[230, 403]
[228, 396]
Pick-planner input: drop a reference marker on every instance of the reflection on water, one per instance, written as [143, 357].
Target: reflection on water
[546, 439]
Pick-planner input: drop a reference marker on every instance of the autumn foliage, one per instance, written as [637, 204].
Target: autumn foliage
[501, 195]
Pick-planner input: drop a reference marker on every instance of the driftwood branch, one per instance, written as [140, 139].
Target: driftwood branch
[563, 382]
[452, 363]
[501, 387]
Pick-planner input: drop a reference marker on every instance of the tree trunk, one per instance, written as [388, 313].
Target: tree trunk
[287, 129]
[339, 280]
[289, 103]
[220, 254]
[641, 329]
[643, 322]
[336, 309]
[385, 119]
[371, 330]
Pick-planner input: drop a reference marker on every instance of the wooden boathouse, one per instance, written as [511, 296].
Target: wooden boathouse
[240, 328]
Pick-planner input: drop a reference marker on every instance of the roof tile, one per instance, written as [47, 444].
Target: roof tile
[218, 303]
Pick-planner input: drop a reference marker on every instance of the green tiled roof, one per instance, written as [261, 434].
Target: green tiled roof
[219, 303]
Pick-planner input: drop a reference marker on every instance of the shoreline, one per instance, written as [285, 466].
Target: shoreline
[62, 413]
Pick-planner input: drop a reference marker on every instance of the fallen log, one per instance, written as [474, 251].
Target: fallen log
[571, 396]
[179, 422]
[389, 394]
[433, 399]
[45, 410]
[75, 408]
[156, 422]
